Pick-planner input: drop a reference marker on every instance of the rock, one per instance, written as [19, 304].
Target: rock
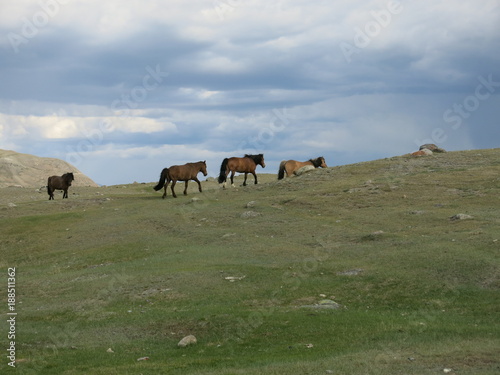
[460, 217]
[194, 200]
[353, 272]
[232, 279]
[186, 341]
[423, 152]
[324, 304]
[373, 236]
[12, 205]
[251, 204]
[432, 147]
[329, 304]
[304, 169]
[250, 214]
[110, 350]
[417, 212]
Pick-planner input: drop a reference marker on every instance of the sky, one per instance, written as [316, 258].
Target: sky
[122, 89]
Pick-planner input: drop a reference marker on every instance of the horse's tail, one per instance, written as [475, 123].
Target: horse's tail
[164, 176]
[223, 169]
[281, 171]
[49, 190]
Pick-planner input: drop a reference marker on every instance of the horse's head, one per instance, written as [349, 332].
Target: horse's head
[68, 177]
[204, 167]
[323, 162]
[319, 162]
[261, 162]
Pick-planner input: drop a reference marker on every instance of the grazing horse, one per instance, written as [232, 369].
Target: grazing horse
[291, 166]
[60, 183]
[184, 172]
[246, 164]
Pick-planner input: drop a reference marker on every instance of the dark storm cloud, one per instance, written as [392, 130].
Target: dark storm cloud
[176, 81]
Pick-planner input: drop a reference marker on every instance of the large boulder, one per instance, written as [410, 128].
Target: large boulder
[432, 147]
[304, 169]
[422, 152]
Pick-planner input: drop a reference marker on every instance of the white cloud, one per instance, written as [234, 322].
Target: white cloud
[64, 127]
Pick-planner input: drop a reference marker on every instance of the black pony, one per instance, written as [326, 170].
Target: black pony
[60, 183]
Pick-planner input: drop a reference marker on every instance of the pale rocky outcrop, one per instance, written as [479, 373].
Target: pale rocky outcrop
[24, 170]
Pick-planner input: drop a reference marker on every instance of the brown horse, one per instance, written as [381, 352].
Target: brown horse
[291, 166]
[184, 172]
[60, 183]
[246, 164]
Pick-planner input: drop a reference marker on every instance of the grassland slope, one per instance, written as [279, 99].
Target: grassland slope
[115, 274]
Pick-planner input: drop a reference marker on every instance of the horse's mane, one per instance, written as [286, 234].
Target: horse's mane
[256, 158]
[316, 162]
[68, 176]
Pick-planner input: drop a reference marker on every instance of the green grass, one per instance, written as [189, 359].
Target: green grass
[120, 268]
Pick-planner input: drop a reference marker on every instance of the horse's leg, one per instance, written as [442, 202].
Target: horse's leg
[255, 177]
[165, 190]
[65, 195]
[245, 180]
[172, 188]
[186, 188]
[199, 183]
[232, 178]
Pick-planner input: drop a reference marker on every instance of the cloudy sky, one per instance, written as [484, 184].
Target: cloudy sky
[121, 89]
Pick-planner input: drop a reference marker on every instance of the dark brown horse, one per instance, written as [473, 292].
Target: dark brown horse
[184, 172]
[291, 166]
[246, 164]
[60, 183]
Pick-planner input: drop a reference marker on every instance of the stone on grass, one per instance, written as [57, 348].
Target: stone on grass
[251, 204]
[432, 147]
[460, 217]
[353, 272]
[324, 304]
[250, 214]
[186, 341]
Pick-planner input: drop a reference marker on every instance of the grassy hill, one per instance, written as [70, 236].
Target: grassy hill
[24, 170]
[358, 269]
